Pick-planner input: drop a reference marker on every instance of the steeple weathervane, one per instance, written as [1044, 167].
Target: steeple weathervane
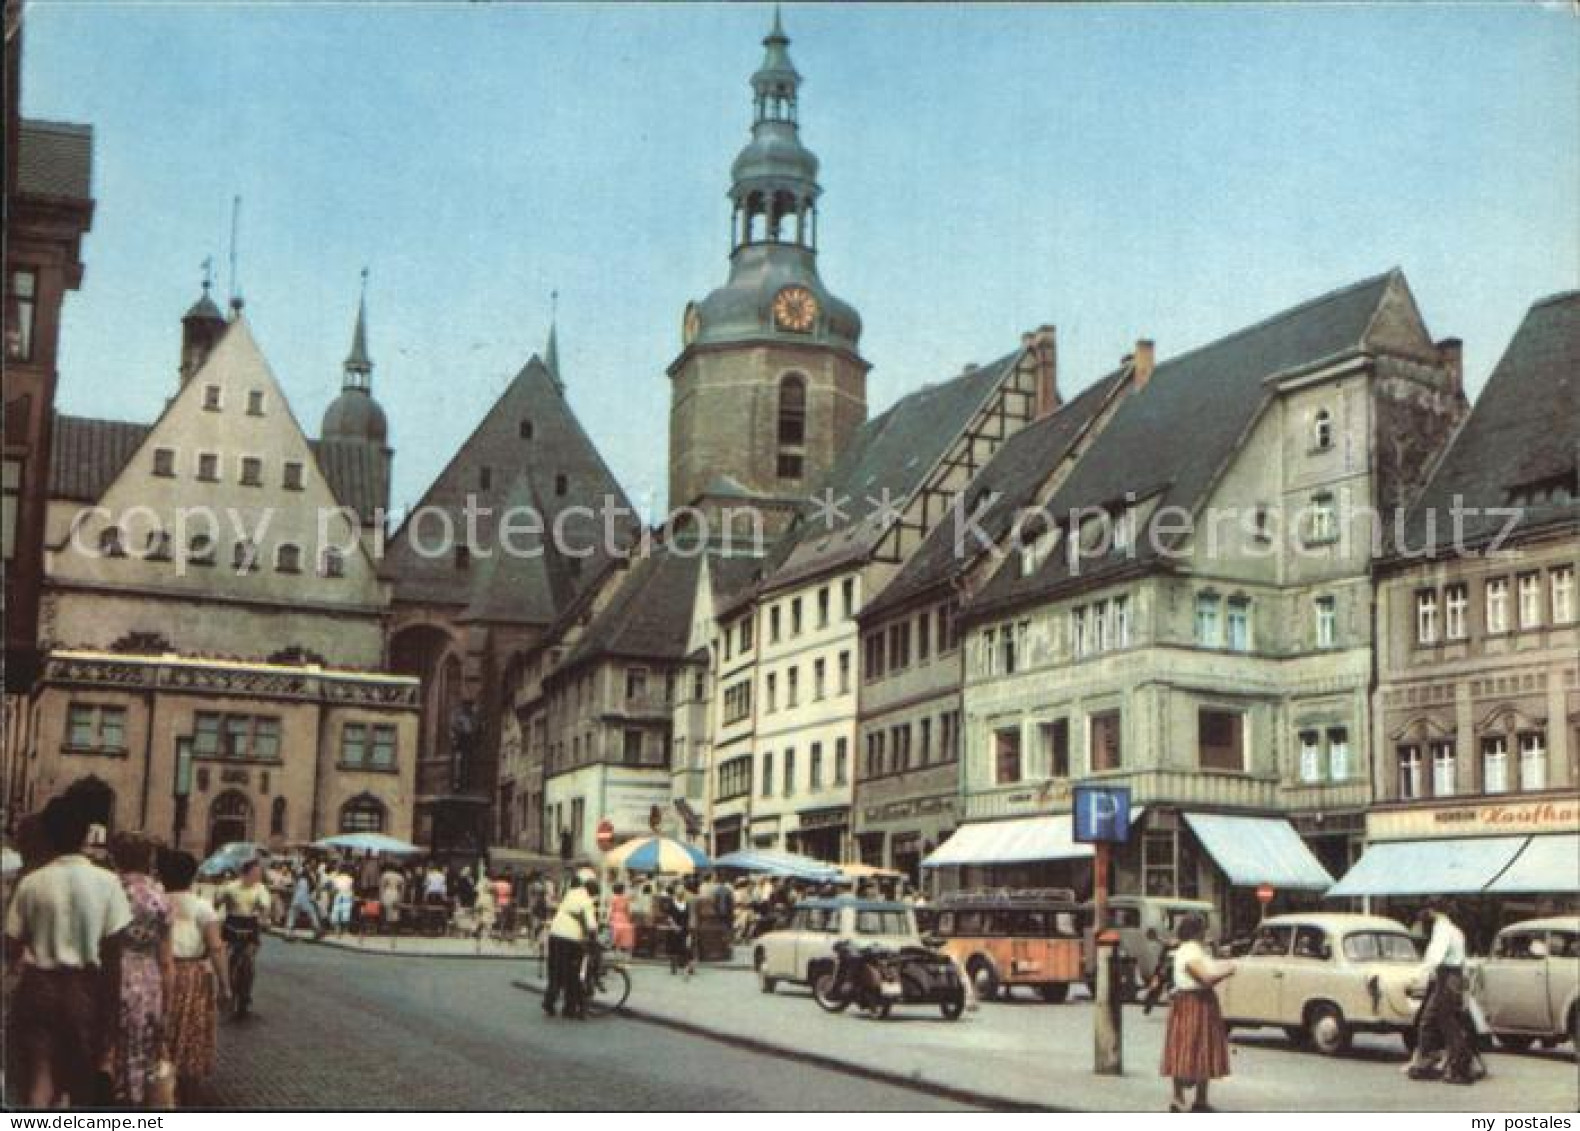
[359, 366]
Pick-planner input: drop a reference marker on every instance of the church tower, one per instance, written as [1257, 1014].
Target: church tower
[353, 440]
[770, 385]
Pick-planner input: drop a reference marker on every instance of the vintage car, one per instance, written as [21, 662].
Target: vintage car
[1147, 924]
[802, 950]
[1324, 977]
[1005, 938]
[1529, 987]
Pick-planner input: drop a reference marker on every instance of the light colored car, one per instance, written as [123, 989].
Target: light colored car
[1324, 977]
[1146, 924]
[1529, 987]
[800, 951]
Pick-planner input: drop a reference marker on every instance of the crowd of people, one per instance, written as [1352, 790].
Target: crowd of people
[116, 970]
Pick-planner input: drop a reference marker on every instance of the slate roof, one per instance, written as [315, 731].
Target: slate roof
[558, 445]
[649, 616]
[87, 453]
[1171, 439]
[55, 159]
[1523, 430]
[531, 582]
[1011, 480]
[891, 453]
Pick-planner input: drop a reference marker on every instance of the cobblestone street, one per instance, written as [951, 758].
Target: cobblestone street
[335, 1029]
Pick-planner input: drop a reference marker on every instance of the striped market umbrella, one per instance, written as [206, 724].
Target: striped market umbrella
[656, 854]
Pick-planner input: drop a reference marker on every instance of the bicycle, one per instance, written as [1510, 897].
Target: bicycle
[605, 983]
[242, 938]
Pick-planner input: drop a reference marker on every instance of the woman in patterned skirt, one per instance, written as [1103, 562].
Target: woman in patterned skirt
[143, 963]
[201, 983]
[1196, 1045]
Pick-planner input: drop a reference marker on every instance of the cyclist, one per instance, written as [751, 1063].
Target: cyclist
[248, 904]
[574, 929]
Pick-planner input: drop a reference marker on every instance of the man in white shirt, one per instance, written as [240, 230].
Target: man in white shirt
[1441, 1020]
[575, 924]
[59, 921]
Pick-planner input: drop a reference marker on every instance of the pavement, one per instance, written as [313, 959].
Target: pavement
[333, 1029]
[397, 1027]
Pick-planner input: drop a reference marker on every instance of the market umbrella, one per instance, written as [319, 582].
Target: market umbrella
[773, 863]
[656, 854]
[231, 857]
[368, 842]
[859, 871]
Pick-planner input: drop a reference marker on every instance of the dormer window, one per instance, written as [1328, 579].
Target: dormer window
[211, 398]
[1322, 430]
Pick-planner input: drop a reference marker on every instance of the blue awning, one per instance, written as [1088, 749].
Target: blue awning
[1444, 866]
[1259, 850]
[1549, 863]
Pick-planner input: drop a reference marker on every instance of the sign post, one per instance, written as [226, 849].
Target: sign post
[1264, 896]
[1102, 819]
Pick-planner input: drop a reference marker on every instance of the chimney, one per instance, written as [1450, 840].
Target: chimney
[1451, 356]
[1045, 356]
[1143, 359]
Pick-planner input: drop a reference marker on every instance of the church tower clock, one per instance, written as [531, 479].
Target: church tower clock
[769, 386]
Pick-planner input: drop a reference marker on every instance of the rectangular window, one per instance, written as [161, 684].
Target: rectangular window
[1220, 740]
[238, 737]
[847, 598]
[1103, 740]
[1530, 600]
[1498, 604]
[254, 402]
[772, 693]
[10, 506]
[1098, 628]
[795, 616]
[353, 744]
[1207, 620]
[635, 683]
[211, 398]
[844, 672]
[205, 735]
[924, 744]
[1239, 624]
[1455, 600]
[1056, 747]
[1310, 757]
[251, 471]
[822, 607]
[291, 475]
[1495, 764]
[792, 686]
[1324, 525]
[1533, 761]
[1408, 759]
[815, 767]
[21, 319]
[1426, 616]
[747, 633]
[1121, 614]
[1006, 756]
[165, 462]
[789, 465]
[875, 655]
[1078, 632]
[819, 678]
[874, 763]
[1327, 622]
[1444, 770]
[383, 747]
[1562, 582]
[899, 646]
[789, 771]
[773, 625]
[841, 760]
[208, 467]
[96, 728]
[768, 773]
[631, 748]
[1338, 753]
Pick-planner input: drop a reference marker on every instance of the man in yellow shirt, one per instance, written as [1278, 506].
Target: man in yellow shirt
[248, 904]
[575, 925]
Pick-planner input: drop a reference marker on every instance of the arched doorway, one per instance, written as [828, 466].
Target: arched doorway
[229, 818]
[362, 814]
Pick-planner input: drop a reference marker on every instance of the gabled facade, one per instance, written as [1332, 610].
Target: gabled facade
[1476, 716]
[213, 623]
[1195, 622]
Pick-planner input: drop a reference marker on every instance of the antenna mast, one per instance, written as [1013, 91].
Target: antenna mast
[235, 230]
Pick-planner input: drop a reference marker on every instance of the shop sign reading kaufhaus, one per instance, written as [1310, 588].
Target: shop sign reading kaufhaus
[1478, 817]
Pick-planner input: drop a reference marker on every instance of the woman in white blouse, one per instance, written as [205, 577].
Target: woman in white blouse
[202, 976]
[1196, 1045]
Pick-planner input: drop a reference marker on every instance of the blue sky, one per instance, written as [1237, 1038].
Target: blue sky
[1121, 172]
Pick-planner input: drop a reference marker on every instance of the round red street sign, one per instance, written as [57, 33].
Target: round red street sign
[1264, 894]
[605, 834]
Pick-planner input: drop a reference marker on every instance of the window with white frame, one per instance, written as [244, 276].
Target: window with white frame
[1207, 620]
[1562, 583]
[1338, 754]
[1322, 430]
[1444, 769]
[1408, 760]
[95, 728]
[1530, 600]
[1099, 626]
[1323, 522]
[1498, 604]
[1455, 600]
[1495, 764]
[1327, 621]
[1426, 616]
[1533, 760]
[768, 773]
[771, 693]
[1239, 624]
[1310, 756]
[1078, 631]
[1121, 615]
